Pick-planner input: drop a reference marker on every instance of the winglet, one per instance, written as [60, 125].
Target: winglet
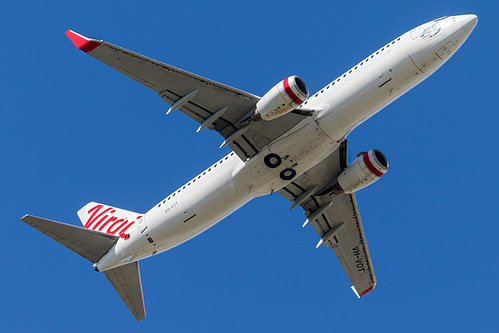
[364, 292]
[83, 43]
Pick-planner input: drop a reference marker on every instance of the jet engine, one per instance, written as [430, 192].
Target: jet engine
[365, 170]
[283, 98]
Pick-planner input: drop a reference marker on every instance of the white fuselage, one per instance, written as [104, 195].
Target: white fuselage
[339, 107]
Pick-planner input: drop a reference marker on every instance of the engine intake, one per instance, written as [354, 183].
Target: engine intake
[364, 171]
[283, 98]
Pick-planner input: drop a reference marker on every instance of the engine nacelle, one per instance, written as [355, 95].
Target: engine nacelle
[283, 98]
[365, 170]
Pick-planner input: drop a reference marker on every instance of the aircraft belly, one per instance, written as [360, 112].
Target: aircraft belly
[194, 211]
[202, 206]
[356, 102]
[299, 151]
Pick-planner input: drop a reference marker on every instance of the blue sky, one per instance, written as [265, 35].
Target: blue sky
[73, 131]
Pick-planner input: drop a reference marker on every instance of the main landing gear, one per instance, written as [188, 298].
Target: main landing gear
[287, 174]
[273, 161]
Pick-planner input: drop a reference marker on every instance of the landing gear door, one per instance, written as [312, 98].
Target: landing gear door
[142, 224]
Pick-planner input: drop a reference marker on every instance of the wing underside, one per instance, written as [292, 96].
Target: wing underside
[216, 106]
[336, 219]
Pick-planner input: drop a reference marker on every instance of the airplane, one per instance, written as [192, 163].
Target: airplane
[286, 142]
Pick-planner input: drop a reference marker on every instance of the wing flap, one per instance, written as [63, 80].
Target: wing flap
[126, 280]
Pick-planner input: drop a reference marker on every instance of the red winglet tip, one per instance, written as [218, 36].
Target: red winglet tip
[366, 291]
[83, 43]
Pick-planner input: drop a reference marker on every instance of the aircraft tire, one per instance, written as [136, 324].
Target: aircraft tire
[272, 161]
[287, 174]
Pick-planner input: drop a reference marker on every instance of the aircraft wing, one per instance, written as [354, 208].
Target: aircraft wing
[335, 218]
[195, 96]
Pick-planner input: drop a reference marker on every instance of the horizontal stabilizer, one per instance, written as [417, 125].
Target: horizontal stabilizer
[126, 280]
[89, 244]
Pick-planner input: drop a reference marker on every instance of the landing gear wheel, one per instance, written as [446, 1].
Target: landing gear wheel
[272, 161]
[288, 174]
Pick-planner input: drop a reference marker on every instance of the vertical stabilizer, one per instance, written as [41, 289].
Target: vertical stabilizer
[108, 219]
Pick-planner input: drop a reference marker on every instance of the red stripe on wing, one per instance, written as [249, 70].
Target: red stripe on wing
[83, 43]
[366, 291]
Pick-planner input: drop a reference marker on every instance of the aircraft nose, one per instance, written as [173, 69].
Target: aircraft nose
[467, 22]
